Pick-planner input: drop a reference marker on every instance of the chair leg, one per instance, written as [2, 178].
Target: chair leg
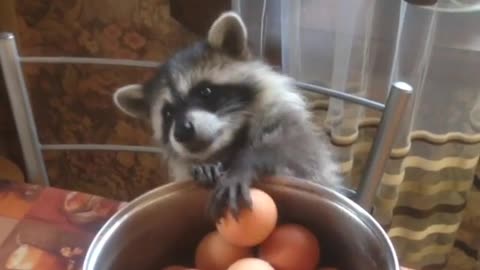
[397, 101]
[22, 111]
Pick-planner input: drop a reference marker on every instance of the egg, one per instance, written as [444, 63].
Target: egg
[250, 264]
[253, 225]
[214, 253]
[291, 247]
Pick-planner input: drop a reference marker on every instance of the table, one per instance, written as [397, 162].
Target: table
[48, 228]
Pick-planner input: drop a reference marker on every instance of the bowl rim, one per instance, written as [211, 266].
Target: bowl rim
[103, 235]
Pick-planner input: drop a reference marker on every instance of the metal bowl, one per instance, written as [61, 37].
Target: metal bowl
[163, 227]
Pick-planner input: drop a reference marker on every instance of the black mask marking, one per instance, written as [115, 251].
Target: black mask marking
[221, 98]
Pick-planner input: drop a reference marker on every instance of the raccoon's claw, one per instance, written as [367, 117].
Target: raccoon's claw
[233, 197]
[207, 174]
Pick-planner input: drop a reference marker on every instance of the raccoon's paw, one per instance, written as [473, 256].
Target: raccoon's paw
[207, 174]
[232, 195]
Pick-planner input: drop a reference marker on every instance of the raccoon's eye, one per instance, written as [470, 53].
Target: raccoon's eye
[206, 92]
[167, 112]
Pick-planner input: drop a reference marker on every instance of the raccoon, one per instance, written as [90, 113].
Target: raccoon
[226, 119]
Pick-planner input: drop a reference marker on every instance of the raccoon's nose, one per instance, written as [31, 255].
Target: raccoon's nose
[184, 131]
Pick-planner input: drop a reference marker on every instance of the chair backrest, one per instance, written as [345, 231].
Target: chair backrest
[32, 148]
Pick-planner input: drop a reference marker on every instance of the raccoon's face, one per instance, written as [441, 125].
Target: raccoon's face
[200, 101]
[200, 110]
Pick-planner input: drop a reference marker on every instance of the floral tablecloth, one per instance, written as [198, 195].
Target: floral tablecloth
[48, 228]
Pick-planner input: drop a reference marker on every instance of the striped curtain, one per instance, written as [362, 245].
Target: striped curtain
[429, 198]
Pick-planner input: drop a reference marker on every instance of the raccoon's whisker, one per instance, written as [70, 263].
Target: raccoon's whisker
[231, 108]
[237, 118]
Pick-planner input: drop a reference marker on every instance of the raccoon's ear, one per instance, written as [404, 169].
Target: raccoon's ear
[130, 100]
[228, 33]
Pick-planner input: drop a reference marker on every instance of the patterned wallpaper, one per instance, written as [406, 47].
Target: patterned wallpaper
[73, 103]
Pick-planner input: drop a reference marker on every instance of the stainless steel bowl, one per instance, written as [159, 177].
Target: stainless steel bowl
[163, 226]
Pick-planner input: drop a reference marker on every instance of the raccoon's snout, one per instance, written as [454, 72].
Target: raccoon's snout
[184, 131]
[196, 130]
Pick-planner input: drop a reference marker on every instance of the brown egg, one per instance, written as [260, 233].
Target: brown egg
[291, 247]
[214, 253]
[250, 264]
[253, 225]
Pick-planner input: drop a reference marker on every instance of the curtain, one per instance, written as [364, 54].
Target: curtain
[429, 197]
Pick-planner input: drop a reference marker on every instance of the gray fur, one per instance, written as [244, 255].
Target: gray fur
[271, 135]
